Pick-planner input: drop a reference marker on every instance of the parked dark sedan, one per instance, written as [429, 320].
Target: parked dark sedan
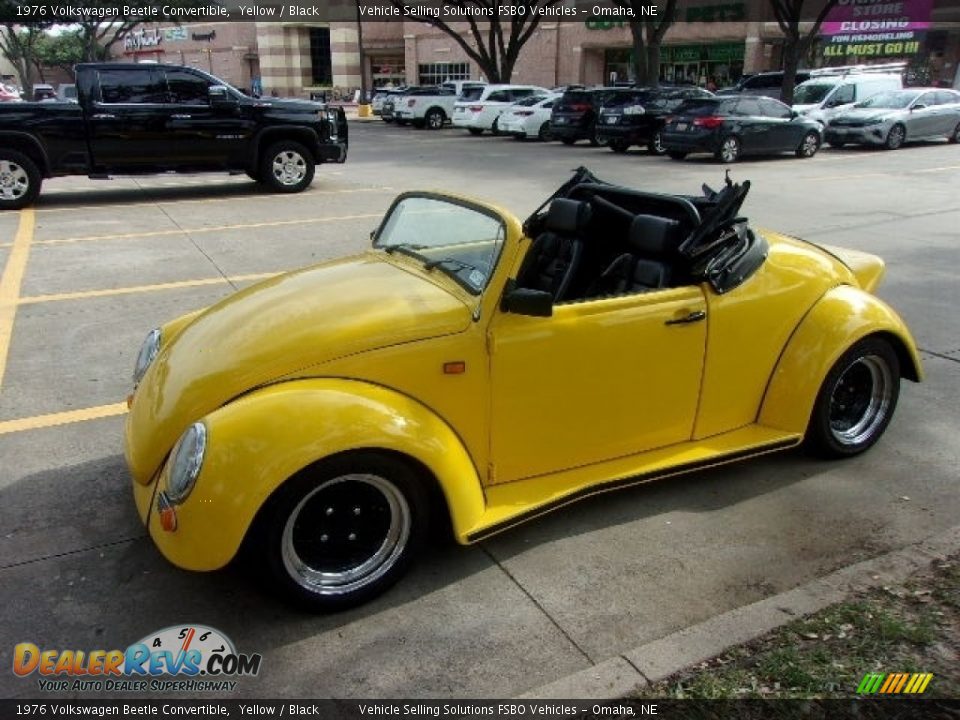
[574, 115]
[636, 117]
[729, 127]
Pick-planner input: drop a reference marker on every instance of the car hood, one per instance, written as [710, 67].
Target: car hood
[274, 329]
[865, 114]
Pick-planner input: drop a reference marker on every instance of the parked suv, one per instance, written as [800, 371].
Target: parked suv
[574, 115]
[479, 109]
[769, 84]
[636, 117]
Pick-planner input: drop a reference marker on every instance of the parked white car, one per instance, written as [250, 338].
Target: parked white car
[479, 109]
[529, 118]
[824, 95]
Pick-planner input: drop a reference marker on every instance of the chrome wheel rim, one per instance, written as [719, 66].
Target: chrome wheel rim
[810, 145]
[860, 400]
[289, 167]
[345, 534]
[730, 150]
[896, 136]
[14, 181]
[435, 121]
[658, 144]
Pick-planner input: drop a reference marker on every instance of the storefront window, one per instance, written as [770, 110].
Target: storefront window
[436, 73]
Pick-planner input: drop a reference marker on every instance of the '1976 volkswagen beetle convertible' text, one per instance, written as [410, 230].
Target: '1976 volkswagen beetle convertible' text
[472, 367]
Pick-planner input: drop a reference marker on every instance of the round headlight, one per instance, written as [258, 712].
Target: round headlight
[148, 353]
[186, 461]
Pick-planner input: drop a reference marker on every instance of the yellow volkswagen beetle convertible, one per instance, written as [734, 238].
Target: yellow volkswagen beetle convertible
[483, 371]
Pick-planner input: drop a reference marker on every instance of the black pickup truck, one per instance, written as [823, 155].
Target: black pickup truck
[134, 119]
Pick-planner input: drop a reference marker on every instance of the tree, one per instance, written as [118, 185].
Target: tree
[63, 50]
[98, 38]
[796, 42]
[647, 36]
[496, 29]
[18, 45]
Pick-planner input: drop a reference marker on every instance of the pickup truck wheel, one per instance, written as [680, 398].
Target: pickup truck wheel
[345, 530]
[20, 180]
[287, 167]
[545, 133]
[435, 119]
[856, 401]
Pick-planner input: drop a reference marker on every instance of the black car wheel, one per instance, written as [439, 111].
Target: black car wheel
[475, 131]
[895, 137]
[435, 118]
[343, 531]
[655, 146]
[674, 155]
[809, 145]
[545, 133]
[20, 180]
[856, 400]
[287, 167]
[955, 137]
[495, 128]
[729, 151]
[619, 146]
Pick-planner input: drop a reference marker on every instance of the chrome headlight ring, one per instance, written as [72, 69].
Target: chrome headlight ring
[185, 463]
[148, 353]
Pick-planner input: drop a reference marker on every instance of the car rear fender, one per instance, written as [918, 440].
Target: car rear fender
[261, 440]
[843, 316]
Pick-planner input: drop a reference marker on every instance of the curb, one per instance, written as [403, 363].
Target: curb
[650, 663]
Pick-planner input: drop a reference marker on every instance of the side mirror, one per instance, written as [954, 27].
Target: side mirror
[918, 106]
[220, 97]
[794, 114]
[525, 301]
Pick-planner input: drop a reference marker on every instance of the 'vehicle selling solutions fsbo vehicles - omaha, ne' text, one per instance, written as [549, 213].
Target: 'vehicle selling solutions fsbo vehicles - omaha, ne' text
[483, 370]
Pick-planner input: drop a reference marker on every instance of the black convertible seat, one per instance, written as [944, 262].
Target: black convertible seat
[653, 245]
[555, 254]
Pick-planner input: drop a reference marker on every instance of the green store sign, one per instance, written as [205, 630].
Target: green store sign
[721, 52]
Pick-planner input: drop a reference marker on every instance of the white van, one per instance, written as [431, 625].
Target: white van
[823, 96]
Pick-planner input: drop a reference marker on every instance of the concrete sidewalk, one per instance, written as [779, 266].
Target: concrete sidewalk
[652, 662]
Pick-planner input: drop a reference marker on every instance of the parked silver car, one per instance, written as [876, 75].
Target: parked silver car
[893, 118]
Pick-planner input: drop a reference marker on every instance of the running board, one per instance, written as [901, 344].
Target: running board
[512, 503]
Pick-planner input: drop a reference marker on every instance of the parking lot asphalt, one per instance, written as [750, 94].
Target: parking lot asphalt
[95, 265]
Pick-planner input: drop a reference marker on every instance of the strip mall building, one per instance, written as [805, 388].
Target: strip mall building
[710, 41]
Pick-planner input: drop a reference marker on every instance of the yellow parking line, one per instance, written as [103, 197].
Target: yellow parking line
[11, 280]
[84, 294]
[212, 228]
[62, 418]
[245, 198]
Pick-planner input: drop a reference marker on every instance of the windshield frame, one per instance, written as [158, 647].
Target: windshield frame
[495, 259]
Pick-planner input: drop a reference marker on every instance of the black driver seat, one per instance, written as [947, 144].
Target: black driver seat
[649, 265]
[555, 254]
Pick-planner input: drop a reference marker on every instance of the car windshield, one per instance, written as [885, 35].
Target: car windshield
[892, 100]
[460, 240]
[809, 94]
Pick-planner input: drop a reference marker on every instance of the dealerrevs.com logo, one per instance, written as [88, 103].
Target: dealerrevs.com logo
[180, 658]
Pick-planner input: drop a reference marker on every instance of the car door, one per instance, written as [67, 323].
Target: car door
[948, 112]
[783, 131]
[200, 134]
[753, 126]
[127, 120]
[600, 379]
[922, 119]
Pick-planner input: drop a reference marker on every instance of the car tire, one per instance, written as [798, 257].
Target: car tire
[568, 140]
[287, 167]
[655, 146]
[592, 136]
[673, 155]
[495, 128]
[729, 150]
[435, 119]
[20, 180]
[809, 145]
[545, 134]
[618, 146]
[895, 137]
[343, 531]
[955, 137]
[856, 401]
[475, 131]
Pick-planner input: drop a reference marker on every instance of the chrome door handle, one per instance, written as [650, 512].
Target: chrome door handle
[181, 117]
[104, 116]
[695, 316]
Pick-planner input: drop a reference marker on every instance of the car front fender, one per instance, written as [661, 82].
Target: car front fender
[843, 316]
[261, 440]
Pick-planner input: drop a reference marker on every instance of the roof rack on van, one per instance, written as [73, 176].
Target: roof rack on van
[893, 67]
